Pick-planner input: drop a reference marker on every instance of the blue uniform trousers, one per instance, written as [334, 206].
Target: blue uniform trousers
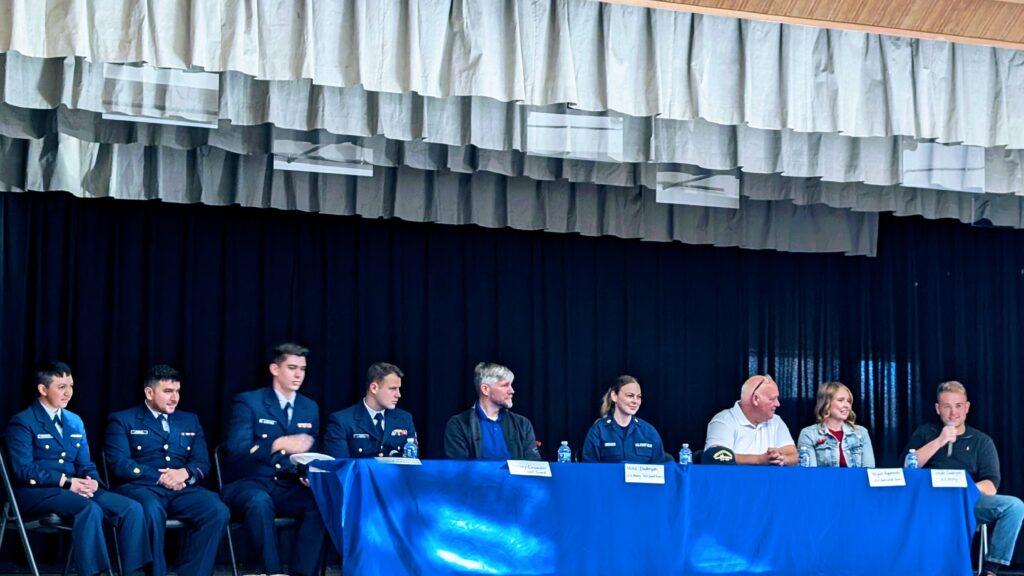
[258, 501]
[201, 509]
[87, 516]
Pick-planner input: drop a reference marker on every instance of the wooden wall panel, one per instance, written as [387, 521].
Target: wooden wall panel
[987, 22]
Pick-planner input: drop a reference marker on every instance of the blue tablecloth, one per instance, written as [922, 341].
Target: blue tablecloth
[446, 517]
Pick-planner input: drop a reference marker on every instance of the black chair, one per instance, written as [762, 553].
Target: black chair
[279, 522]
[43, 524]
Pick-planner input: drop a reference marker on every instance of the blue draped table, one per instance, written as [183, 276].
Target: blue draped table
[447, 517]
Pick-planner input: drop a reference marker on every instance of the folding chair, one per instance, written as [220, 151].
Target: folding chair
[279, 522]
[982, 547]
[43, 524]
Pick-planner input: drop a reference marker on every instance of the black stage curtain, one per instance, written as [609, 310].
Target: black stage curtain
[114, 286]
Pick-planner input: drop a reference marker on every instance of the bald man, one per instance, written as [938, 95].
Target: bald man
[751, 429]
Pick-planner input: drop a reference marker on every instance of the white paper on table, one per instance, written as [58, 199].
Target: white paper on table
[949, 479]
[529, 468]
[398, 460]
[645, 474]
[307, 459]
[883, 477]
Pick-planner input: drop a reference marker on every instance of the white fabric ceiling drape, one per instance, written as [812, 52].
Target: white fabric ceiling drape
[637, 61]
[811, 122]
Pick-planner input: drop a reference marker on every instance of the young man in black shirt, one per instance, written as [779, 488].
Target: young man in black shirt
[957, 446]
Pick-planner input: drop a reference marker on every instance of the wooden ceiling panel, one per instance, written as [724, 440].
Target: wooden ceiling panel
[987, 22]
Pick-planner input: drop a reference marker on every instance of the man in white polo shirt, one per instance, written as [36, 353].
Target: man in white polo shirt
[751, 429]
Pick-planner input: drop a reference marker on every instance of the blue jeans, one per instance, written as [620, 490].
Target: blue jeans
[1007, 512]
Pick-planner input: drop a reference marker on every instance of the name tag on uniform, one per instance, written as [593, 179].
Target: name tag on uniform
[609, 444]
[360, 435]
[644, 445]
[139, 432]
[188, 433]
[42, 436]
[75, 435]
[305, 424]
[397, 432]
[266, 421]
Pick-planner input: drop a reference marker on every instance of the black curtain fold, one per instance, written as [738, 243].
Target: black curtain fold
[114, 286]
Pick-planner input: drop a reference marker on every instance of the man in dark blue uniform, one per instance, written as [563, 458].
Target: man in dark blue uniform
[266, 427]
[53, 474]
[159, 454]
[373, 426]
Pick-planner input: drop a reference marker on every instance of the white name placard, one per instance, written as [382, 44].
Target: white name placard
[398, 460]
[949, 479]
[645, 474]
[529, 468]
[881, 477]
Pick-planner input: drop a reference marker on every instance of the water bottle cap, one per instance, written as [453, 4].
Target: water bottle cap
[913, 450]
[565, 442]
[686, 445]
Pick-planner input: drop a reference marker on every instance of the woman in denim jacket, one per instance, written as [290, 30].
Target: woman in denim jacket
[836, 440]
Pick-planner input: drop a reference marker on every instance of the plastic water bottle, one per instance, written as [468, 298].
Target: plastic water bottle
[564, 452]
[805, 457]
[411, 450]
[911, 461]
[685, 455]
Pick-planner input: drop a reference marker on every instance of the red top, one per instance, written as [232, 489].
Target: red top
[839, 436]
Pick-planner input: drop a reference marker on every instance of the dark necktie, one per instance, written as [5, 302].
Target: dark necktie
[378, 418]
[58, 424]
[288, 413]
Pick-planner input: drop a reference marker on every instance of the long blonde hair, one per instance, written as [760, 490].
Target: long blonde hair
[826, 392]
[607, 404]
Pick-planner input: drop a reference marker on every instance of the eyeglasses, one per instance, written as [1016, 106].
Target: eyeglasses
[765, 378]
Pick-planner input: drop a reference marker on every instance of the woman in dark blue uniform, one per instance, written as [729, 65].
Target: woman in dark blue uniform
[618, 435]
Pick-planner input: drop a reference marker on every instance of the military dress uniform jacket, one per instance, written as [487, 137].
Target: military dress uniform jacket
[256, 421]
[40, 455]
[137, 447]
[351, 433]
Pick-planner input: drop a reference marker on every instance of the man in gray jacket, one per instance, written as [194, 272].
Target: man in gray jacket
[489, 430]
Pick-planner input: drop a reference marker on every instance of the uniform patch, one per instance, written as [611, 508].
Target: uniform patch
[75, 435]
[399, 432]
[305, 424]
[41, 436]
[188, 433]
[138, 432]
[267, 421]
[360, 435]
[609, 444]
[644, 445]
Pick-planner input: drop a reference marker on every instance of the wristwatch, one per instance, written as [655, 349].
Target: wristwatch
[66, 484]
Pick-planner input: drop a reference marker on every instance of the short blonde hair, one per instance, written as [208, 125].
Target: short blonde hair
[826, 392]
[950, 386]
